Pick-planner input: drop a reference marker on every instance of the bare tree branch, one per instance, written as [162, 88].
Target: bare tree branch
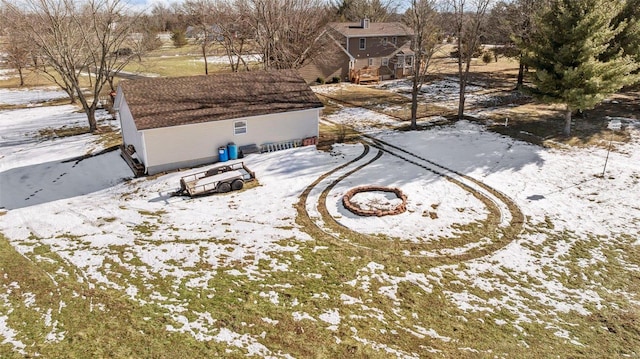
[468, 21]
[427, 39]
[77, 43]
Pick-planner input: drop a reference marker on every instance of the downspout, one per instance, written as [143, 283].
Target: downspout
[146, 159]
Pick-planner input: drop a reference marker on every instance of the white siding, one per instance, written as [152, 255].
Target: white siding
[189, 145]
[130, 134]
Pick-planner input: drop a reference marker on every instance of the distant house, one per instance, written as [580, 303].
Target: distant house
[170, 123]
[362, 51]
[213, 33]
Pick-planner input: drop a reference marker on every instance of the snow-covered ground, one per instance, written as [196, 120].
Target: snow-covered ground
[99, 210]
[30, 96]
[6, 74]
[444, 92]
[225, 59]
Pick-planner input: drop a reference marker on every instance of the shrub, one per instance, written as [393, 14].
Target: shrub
[335, 79]
[179, 38]
[487, 57]
[151, 41]
[123, 51]
[320, 80]
[476, 53]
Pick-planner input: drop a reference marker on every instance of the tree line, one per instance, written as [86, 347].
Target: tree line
[581, 50]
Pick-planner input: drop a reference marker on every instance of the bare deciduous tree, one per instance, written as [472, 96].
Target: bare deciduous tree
[234, 24]
[468, 18]
[19, 52]
[421, 18]
[374, 10]
[288, 31]
[77, 43]
[200, 15]
[513, 23]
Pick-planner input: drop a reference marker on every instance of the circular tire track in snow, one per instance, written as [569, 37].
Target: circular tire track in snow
[503, 224]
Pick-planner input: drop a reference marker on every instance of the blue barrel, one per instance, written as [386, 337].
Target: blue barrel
[233, 151]
[222, 154]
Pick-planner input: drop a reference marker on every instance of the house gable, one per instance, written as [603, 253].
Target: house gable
[376, 41]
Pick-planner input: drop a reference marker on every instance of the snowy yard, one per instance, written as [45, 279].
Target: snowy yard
[505, 248]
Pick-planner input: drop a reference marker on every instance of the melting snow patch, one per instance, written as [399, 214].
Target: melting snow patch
[6, 332]
[29, 299]
[273, 296]
[431, 333]
[242, 341]
[298, 316]
[346, 299]
[270, 321]
[331, 316]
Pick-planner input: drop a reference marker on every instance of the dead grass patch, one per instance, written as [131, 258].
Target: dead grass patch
[331, 134]
[383, 101]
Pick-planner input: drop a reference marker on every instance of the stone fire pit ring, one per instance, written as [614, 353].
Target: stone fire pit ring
[355, 209]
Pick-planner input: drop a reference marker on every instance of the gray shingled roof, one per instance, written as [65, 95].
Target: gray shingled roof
[354, 29]
[174, 101]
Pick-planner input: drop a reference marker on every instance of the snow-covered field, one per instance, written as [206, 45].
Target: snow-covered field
[6, 74]
[30, 96]
[444, 92]
[98, 220]
[225, 59]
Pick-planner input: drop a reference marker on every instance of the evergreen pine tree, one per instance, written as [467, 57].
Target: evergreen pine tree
[629, 38]
[571, 53]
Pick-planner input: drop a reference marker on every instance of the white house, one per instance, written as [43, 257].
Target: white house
[177, 122]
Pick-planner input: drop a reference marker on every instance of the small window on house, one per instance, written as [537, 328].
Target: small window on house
[384, 41]
[239, 127]
[408, 60]
[394, 40]
[371, 62]
[363, 44]
[385, 61]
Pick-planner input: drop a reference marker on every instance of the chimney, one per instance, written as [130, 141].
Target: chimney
[364, 23]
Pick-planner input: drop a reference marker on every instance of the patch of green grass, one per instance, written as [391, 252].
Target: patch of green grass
[148, 228]
[157, 214]
[91, 322]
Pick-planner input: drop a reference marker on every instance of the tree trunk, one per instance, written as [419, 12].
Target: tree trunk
[21, 76]
[460, 76]
[91, 116]
[204, 54]
[461, 100]
[520, 82]
[567, 122]
[414, 103]
[110, 79]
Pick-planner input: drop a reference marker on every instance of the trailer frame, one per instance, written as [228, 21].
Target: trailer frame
[218, 179]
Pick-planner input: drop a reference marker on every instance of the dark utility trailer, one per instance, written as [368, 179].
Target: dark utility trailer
[220, 179]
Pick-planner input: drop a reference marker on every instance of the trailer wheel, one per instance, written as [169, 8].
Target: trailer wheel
[223, 187]
[237, 185]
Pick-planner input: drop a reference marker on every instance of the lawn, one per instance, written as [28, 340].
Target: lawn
[507, 247]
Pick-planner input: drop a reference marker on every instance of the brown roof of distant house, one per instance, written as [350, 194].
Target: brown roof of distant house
[353, 29]
[174, 101]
